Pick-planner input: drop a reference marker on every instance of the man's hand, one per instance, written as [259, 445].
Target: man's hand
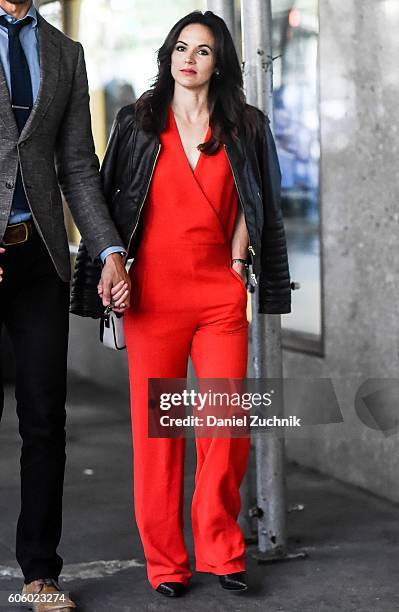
[1, 269]
[114, 285]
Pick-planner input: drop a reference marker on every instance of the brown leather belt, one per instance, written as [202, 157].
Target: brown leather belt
[18, 233]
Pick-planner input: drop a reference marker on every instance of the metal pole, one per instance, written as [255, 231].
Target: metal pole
[224, 9]
[266, 329]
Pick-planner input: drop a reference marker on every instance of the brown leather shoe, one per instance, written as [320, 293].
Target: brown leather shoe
[46, 590]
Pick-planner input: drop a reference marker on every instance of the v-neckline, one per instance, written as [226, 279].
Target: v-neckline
[192, 170]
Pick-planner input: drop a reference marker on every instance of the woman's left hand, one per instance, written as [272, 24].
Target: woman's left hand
[119, 294]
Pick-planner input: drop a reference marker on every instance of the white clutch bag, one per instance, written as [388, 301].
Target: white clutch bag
[112, 333]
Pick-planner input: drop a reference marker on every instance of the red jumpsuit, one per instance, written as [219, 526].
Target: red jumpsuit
[187, 301]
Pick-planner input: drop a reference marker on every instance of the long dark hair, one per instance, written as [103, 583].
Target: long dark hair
[229, 113]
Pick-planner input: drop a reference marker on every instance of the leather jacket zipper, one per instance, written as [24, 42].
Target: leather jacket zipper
[144, 199]
[251, 250]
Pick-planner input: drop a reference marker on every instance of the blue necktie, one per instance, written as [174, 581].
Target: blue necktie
[21, 95]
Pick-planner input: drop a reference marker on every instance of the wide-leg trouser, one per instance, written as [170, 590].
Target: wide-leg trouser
[202, 315]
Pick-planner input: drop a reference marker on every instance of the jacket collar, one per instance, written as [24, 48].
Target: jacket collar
[49, 55]
[6, 114]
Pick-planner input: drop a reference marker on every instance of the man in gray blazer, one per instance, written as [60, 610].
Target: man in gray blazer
[45, 144]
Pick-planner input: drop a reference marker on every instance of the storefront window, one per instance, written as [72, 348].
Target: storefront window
[296, 122]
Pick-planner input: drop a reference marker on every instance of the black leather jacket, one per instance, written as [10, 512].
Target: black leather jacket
[126, 173]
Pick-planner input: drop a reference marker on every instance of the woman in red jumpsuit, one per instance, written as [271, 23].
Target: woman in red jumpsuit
[189, 300]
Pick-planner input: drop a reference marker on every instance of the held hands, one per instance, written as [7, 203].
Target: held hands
[114, 286]
[1, 269]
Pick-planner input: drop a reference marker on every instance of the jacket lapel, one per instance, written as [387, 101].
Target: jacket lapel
[6, 113]
[49, 51]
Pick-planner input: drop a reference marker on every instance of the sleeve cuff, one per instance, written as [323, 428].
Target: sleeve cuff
[113, 249]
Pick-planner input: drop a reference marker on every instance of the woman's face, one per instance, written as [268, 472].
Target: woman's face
[193, 58]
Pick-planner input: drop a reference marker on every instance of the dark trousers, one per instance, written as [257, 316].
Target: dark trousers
[34, 309]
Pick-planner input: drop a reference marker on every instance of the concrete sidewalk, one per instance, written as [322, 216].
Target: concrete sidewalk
[351, 537]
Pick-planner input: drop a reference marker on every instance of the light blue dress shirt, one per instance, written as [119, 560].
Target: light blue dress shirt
[30, 44]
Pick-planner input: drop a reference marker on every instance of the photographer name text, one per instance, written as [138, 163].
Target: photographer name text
[253, 420]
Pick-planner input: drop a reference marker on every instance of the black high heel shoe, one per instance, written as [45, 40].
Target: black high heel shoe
[171, 589]
[234, 582]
